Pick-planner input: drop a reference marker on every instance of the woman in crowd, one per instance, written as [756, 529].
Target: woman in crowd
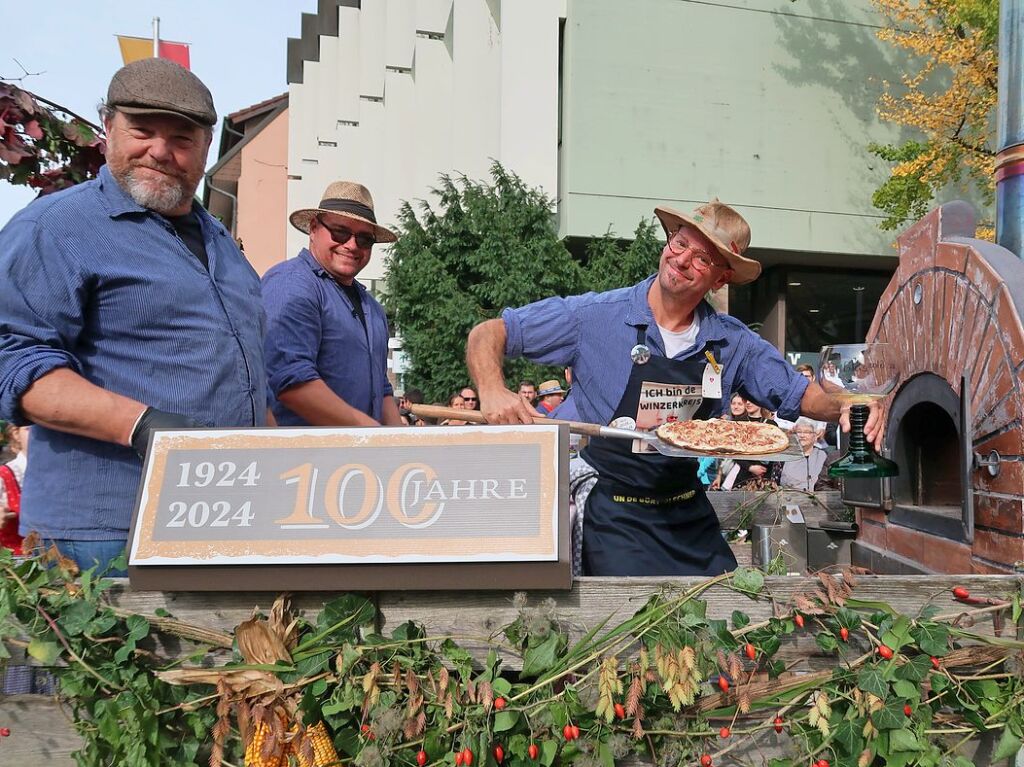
[456, 401]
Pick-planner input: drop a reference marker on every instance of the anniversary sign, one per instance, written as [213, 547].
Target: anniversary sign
[386, 508]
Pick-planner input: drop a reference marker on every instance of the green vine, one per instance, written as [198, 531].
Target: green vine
[670, 684]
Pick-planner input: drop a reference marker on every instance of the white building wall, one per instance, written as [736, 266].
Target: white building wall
[411, 89]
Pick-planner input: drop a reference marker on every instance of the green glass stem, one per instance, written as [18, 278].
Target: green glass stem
[861, 461]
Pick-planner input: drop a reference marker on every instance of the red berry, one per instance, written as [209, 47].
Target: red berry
[567, 732]
[533, 751]
[725, 732]
[822, 763]
[620, 711]
[499, 754]
[467, 756]
[750, 650]
[723, 684]
[705, 761]
[499, 704]
[5, 732]
[908, 710]
[575, 732]
[421, 758]
[885, 651]
[798, 619]
[365, 728]
[961, 593]
[935, 663]
[778, 724]
[844, 633]
[458, 759]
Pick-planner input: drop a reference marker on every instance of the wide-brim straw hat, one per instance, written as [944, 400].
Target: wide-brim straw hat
[728, 231]
[348, 199]
[550, 387]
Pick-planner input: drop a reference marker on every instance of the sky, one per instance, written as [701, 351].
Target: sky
[237, 48]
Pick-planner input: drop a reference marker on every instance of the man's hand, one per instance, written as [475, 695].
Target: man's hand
[758, 470]
[504, 406]
[152, 419]
[874, 429]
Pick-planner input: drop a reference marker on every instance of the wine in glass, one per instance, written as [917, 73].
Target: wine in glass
[858, 374]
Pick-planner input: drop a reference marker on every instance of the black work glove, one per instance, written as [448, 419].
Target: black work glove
[152, 419]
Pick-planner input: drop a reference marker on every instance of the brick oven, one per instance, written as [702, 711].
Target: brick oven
[953, 311]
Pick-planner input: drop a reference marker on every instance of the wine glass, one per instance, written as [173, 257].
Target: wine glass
[858, 374]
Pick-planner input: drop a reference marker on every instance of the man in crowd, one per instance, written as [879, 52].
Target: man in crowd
[640, 352]
[528, 391]
[124, 307]
[470, 398]
[549, 396]
[327, 337]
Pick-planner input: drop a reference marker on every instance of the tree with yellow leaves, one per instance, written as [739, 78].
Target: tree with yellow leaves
[949, 99]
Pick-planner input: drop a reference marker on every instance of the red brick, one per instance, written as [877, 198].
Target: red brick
[950, 255]
[1010, 327]
[906, 542]
[995, 547]
[942, 322]
[941, 555]
[1005, 414]
[982, 336]
[877, 516]
[979, 567]
[917, 245]
[924, 314]
[883, 303]
[999, 512]
[873, 533]
[1011, 474]
[982, 275]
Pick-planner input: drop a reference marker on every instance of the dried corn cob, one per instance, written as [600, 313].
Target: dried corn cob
[324, 754]
[254, 751]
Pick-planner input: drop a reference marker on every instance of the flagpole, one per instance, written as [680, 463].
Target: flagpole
[156, 37]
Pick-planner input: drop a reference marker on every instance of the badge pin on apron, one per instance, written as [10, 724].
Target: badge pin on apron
[640, 354]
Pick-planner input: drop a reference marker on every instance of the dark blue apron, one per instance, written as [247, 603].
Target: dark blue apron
[648, 513]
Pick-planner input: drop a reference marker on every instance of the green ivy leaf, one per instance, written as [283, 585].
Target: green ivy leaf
[904, 740]
[537, 660]
[906, 690]
[848, 618]
[748, 579]
[76, 617]
[931, 638]
[898, 634]
[501, 686]
[871, 680]
[891, 717]
[548, 752]
[916, 669]
[739, 620]
[827, 642]
[505, 720]
[1009, 745]
[847, 735]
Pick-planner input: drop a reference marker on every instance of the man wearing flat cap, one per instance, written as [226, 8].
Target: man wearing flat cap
[641, 356]
[327, 337]
[124, 307]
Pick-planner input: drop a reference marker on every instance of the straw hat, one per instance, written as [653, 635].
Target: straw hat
[727, 230]
[348, 199]
[550, 387]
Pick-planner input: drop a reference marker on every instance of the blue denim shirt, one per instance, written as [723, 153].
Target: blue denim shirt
[312, 334]
[91, 281]
[594, 333]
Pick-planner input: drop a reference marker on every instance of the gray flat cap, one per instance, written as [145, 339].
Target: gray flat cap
[161, 86]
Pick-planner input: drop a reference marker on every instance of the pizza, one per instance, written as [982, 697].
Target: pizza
[730, 437]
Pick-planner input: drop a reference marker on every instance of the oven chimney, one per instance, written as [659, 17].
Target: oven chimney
[1010, 154]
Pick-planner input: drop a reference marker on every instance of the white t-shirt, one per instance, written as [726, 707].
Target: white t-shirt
[680, 340]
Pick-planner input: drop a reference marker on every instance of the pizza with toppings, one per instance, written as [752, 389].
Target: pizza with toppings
[726, 437]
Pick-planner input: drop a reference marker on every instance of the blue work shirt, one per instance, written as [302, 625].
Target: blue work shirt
[594, 333]
[313, 333]
[93, 282]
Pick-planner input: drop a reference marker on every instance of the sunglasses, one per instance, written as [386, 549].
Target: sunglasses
[342, 234]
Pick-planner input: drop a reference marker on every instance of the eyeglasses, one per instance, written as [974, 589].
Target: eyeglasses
[342, 234]
[679, 244]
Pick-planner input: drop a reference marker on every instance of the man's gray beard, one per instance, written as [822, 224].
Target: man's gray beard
[161, 196]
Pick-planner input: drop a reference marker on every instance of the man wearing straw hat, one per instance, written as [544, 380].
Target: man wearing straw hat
[641, 356]
[327, 337]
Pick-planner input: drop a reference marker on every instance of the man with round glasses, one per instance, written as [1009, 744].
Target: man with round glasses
[642, 356]
[327, 337]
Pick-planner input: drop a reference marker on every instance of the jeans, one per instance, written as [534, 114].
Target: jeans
[88, 554]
